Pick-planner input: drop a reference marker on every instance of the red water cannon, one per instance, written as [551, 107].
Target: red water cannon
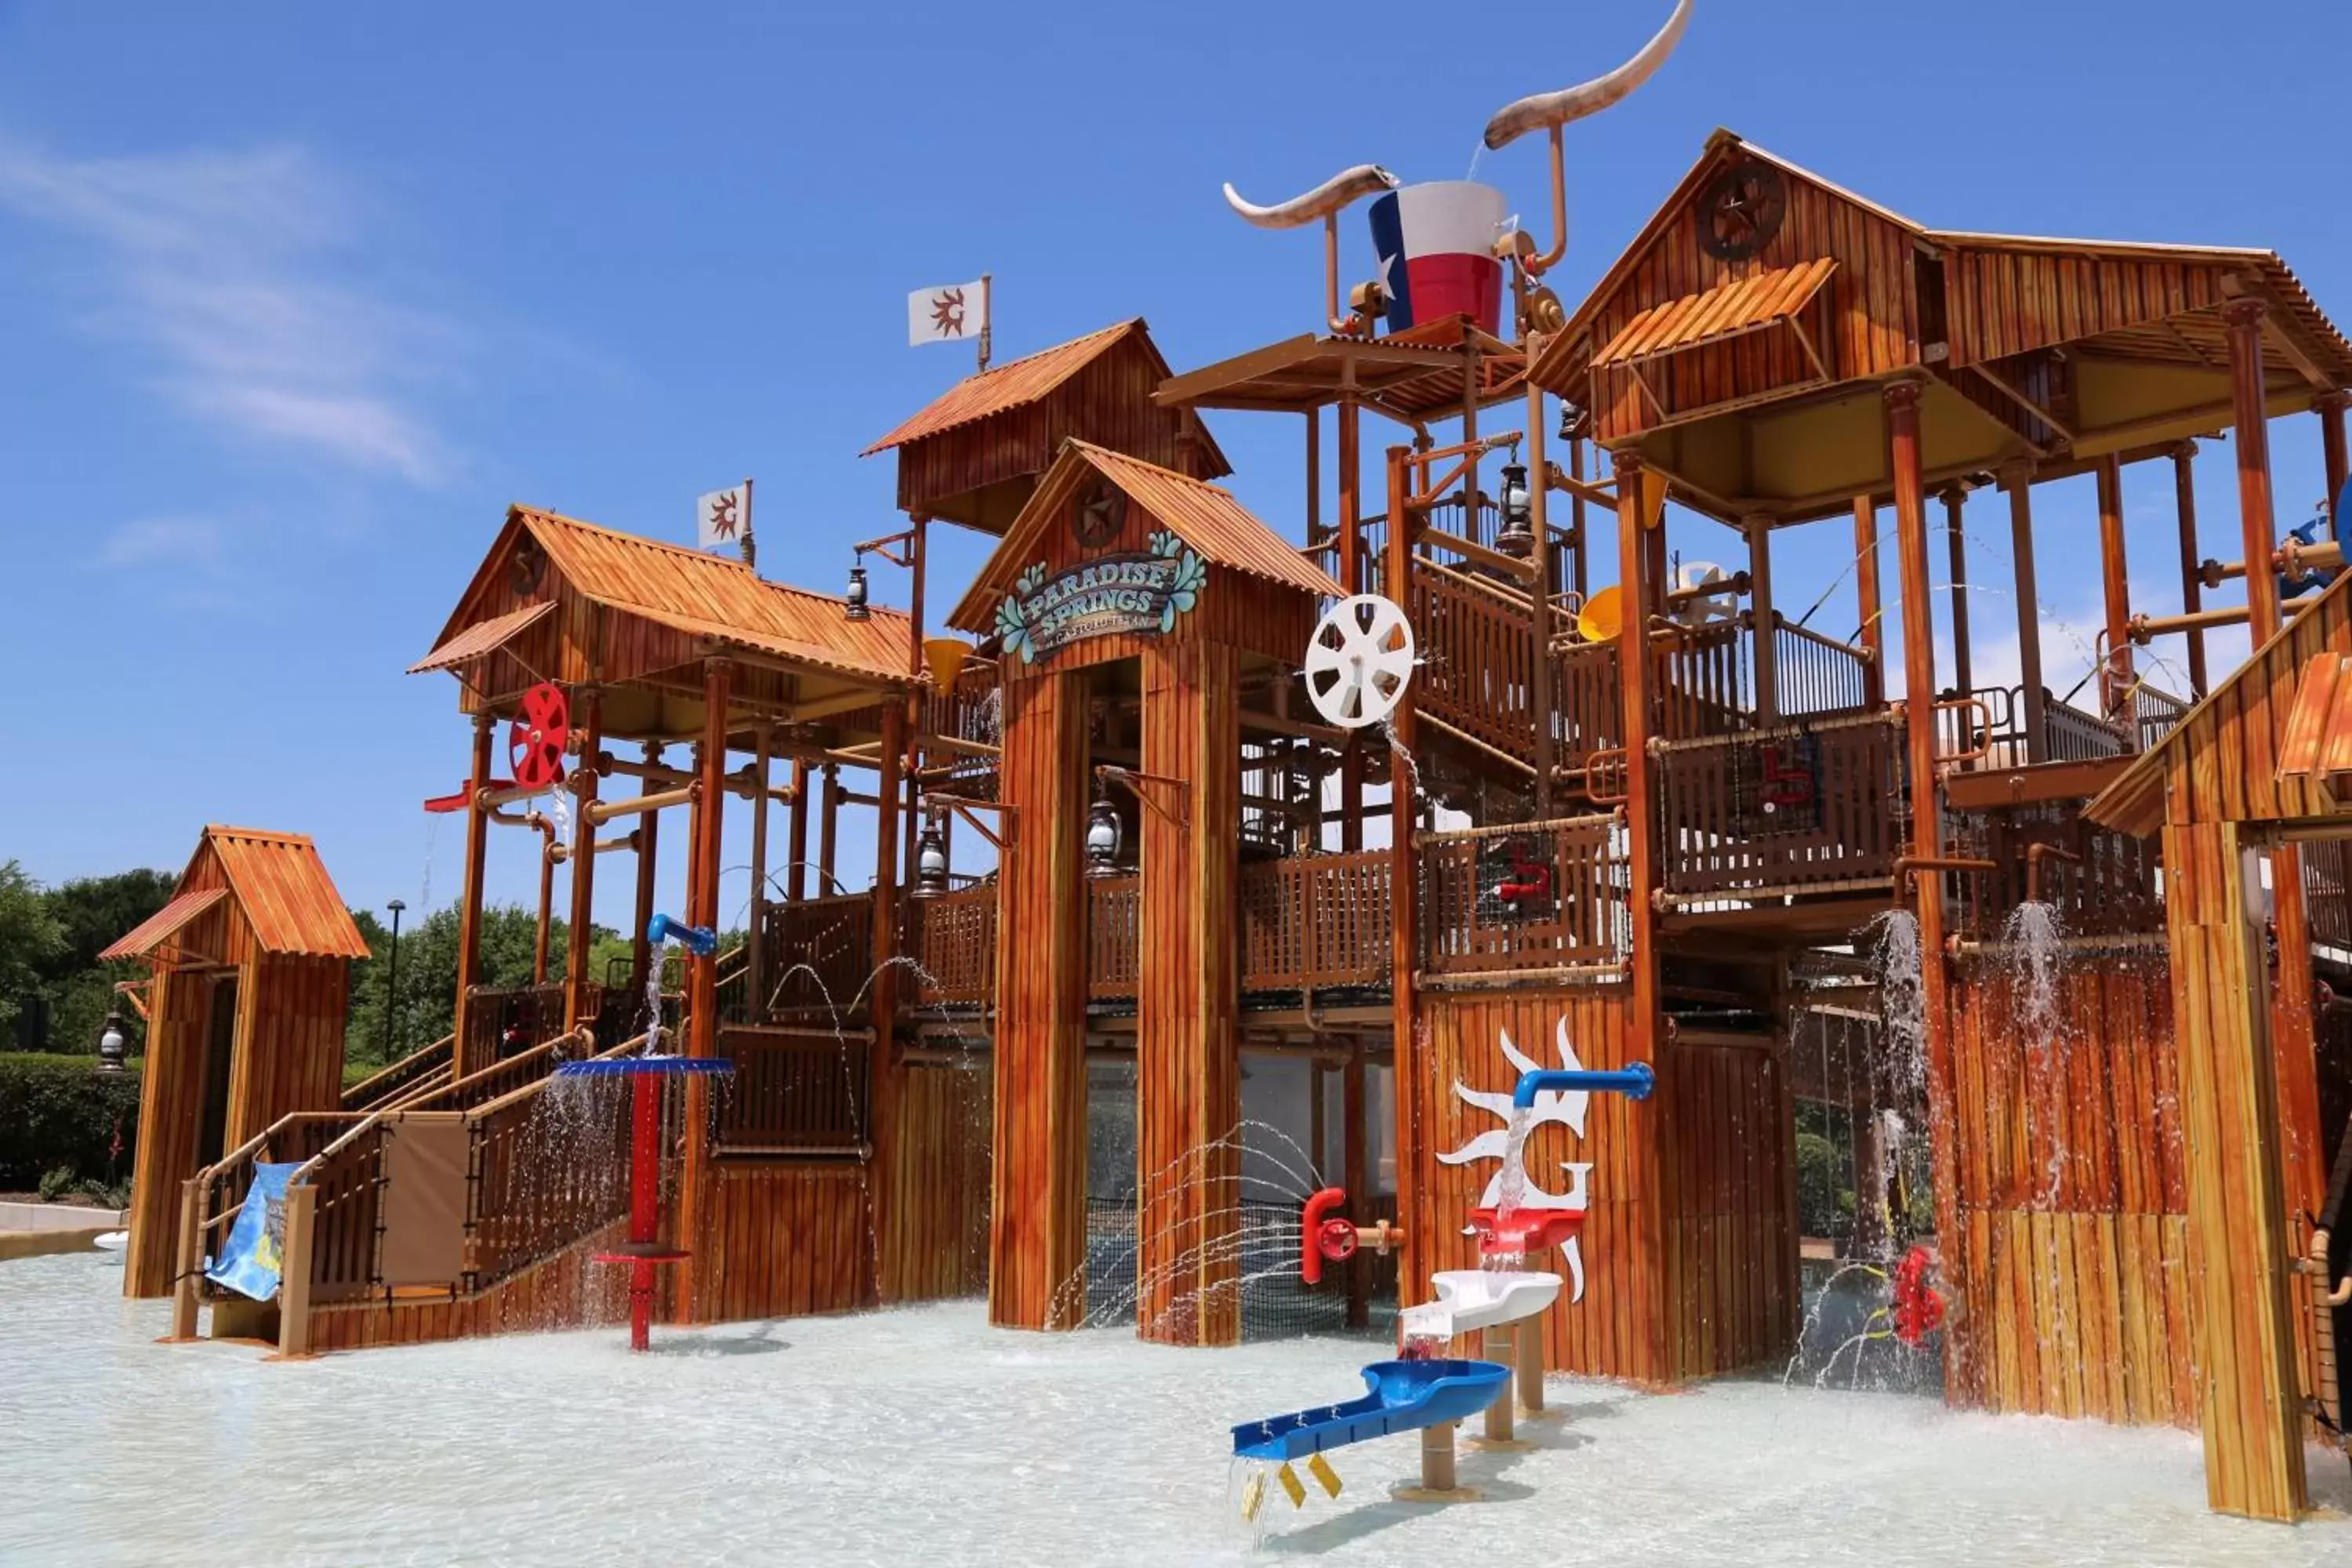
[1523, 1233]
[1325, 1233]
[1918, 1306]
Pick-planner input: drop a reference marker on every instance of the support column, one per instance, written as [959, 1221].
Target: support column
[1928, 840]
[1645, 1030]
[589, 707]
[541, 933]
[1188, 1094]
[1580, 573]
[463, 1055]
[2118, 704]
[755, 966]
[829, 834]
[882, 1072]
[1956, 501]
[1873, 635]
[2251, 413]
[2239, 1217]
[1036, 1229]
[2330, 406]
[2017, 478]
[796, 821]
[1405, 904]
[1351, 575]
[2192, 579]
[702, 986]
[1540, 591]
[642, 957]
[1356, 1175]
[1759, 528]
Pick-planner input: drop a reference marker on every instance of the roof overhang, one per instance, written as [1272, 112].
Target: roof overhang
[159, 928]
[482, 638]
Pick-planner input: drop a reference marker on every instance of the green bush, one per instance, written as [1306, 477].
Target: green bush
[60, 1114]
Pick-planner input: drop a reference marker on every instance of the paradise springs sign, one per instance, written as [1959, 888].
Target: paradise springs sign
[1135, 592]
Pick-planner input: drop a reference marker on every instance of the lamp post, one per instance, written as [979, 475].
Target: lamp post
[111, 1051]
[392, 978]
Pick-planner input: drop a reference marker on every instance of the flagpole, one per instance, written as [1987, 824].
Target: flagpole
[751, 550]
[987, 321]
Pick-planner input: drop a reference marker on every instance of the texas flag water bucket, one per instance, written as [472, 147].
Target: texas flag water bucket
[1435, 243]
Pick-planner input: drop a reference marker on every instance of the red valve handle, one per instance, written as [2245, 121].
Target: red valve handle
[1337, 1239]
[535, 743]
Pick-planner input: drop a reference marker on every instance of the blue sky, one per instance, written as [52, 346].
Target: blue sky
[297, 298]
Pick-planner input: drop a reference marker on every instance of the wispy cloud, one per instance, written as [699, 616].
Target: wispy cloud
[246, 277]
[158, 540]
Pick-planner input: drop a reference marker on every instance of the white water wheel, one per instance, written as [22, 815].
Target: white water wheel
[1358, 661]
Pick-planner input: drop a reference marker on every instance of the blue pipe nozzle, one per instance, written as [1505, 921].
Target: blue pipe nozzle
[694, 939]
[1634, 1081]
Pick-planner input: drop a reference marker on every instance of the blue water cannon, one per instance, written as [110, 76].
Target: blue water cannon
[1634, 1081]
[694, 939]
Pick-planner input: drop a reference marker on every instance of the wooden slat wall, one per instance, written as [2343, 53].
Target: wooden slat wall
[1862, 323]
[569, 1290]
[171, 1102]
[1690, 1244]
[2248, 1393]
[2003, 304]
[292, 1048]
[1038, 1202]
[938, 1240]
[783, 1238]
[2073, 1263]
[1188, 1073]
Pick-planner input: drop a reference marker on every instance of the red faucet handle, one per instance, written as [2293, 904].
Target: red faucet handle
[1335, 1239]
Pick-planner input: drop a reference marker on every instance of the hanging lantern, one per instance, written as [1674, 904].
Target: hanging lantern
[855, 608]
[1516, 537]
[1105, 838]
[930, 859]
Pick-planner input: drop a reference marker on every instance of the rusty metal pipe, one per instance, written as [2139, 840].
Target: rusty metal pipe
[1909, 866]
[2145, 627]
[605, 810]
[2034, 856]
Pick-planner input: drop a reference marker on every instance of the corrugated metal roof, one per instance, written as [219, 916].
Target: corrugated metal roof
[1004, 386]
[1204, 516]
[719, 598]
[2318, 744]
[483, 637]
[288, 897]
[1727, 309]
[150, 933]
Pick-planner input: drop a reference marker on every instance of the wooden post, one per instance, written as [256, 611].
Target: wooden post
[463, 1058]
[2192, 579]
[295, 1269]
[1499, 1344]
[702, 987]
[1529, 1364]
[1351, 575]
[1956, 501]
[188, 1250]
[1356, 1167]
[1766, 628]
[1404, 901]
[1036, 1227]
[1644, 1031]
[589, 711]
[755, 965]
[2330, 406]
[641, 956]
[1540, 591]
[1928, 840]
[1188, 1055]
[911, 733]
[542, 933]
[882, 1012]
[2118, 702]
[1873, 635]
[2251, 411]
[1314, 475]
[1582, 547]
[2240, 1265]
[828, 833]
[796, 821]
[2017, 477]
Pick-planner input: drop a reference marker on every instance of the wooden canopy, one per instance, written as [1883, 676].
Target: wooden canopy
[279, 886]
[972, 454]
[1740, 340]
[2232, 757]
[559, 599]
[1427, 372]
[1225, 532]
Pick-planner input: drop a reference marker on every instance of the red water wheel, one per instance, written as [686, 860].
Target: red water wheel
[535, 743]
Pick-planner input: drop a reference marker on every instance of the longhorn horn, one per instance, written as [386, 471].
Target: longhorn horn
[1549, 110]
[1324, 200]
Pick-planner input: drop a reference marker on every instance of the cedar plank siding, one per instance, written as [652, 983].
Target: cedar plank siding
[1862, 323]
[2005, 302]
[937, 1245]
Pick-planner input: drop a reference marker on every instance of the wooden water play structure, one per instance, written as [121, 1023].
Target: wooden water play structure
[1649, 817]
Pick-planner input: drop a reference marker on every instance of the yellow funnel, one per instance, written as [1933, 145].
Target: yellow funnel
[1600, 618]
[946, 656]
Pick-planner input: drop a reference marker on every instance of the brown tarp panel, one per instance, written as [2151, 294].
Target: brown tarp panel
[424, 1198]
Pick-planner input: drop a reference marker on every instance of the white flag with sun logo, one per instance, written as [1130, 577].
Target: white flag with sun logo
[950, 313]
[722, 517]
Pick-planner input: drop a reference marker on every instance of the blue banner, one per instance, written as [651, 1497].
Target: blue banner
[250, 1260]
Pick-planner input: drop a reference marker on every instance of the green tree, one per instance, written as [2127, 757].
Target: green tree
[31, 941]
[93, 913]
[425, 1007]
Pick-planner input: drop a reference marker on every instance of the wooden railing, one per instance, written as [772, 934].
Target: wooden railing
[2103, 884]
[2071, 735]
[2156, 713]
[504, 1020]
[419, 1069]
[1816, 676]
[214, 1196]
[794, 1091]
[1475, 640]
[537, 1184]
[954, 940]
[1316, 923]
[1114, 926]
[1587, 701]
[501, 1078]
[834, 938]
[1536, 896]
[1791, 809]
[1701, 682]
[2327, 898]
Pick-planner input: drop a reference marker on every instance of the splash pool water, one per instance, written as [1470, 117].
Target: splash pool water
[922, 1435]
